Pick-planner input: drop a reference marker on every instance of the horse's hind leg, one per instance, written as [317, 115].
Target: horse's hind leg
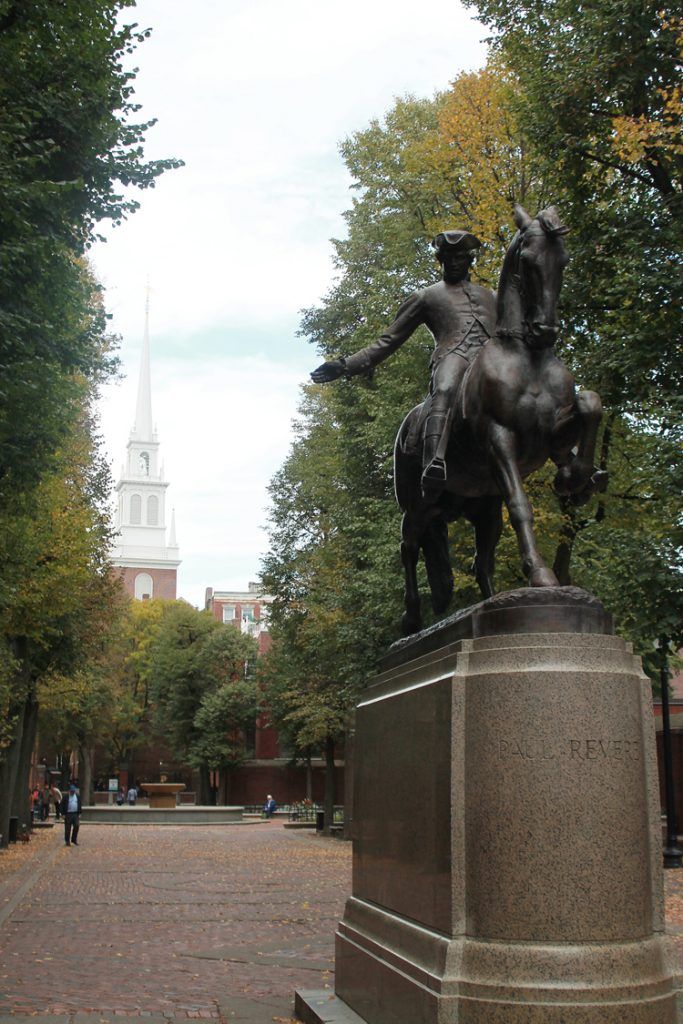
[410, 551]
[438, 563]
[487, 520]
[503, 455]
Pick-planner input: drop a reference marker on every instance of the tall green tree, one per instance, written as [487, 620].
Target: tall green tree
[58, 594]
[199, 681]
[462, 160]
[69, 145]
[600, 101]
[333, 565]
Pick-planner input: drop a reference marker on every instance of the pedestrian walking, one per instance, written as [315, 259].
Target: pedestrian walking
[269, 807]
[71, 809]
[132, 796]
[45, 809]
[57, 800]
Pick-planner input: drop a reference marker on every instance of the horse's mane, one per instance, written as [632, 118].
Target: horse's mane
[506, 274]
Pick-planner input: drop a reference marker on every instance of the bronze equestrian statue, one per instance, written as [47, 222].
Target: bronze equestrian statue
[516, 407]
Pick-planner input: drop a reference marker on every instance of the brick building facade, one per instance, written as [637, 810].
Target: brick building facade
[271, 768]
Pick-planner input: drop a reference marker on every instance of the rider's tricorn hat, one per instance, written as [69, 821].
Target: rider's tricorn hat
[455, 241]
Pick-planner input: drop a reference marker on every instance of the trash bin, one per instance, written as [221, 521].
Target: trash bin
[13, 830]
[319, 821]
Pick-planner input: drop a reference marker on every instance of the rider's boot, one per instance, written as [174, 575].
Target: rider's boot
[434, 465]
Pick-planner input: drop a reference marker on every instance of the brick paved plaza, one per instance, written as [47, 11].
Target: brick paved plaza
[174, 923]
[166, 922]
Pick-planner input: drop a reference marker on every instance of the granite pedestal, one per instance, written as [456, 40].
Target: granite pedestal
[507, 844]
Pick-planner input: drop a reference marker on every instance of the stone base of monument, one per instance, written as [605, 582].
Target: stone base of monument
[507, 844]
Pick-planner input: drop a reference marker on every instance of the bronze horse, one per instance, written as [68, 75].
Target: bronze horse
[517, 408]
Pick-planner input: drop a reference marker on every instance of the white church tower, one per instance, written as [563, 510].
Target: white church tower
[148, 565]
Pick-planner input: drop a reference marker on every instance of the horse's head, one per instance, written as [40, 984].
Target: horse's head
[538, 259]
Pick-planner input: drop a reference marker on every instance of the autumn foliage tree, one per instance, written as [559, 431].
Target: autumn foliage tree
[69, 146]
[518, 131]
[599, 96]
[202, 690]
[333, 564]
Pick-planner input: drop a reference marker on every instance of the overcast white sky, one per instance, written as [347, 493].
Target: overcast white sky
[254, 96]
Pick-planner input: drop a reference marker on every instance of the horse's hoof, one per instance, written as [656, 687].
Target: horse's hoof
[543, 578]
[411, 624]
[562, 481]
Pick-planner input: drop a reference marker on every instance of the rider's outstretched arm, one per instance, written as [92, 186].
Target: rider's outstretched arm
[408, 319]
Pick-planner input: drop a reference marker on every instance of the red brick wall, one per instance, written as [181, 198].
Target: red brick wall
[266, 739]
[252, 783]
[164, 581]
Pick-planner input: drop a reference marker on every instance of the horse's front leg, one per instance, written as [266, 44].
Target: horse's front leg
[576, 474]
[503, 456]
[410, 551]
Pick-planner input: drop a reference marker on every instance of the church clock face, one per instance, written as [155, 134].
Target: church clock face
[144, 463]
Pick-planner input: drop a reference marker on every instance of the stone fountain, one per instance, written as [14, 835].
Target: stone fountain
[162, 795]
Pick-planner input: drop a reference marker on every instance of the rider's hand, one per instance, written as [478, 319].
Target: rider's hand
[329, 371]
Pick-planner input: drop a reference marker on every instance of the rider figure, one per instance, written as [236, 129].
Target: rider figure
[461, 317]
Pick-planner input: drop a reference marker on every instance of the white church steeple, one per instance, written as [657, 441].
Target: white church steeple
[142, 428]
[148, 564]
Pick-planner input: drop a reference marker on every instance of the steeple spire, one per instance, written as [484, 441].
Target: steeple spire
[172, 542]
[143, 428]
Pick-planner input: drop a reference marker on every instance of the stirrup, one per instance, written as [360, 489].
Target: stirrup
[434, 475]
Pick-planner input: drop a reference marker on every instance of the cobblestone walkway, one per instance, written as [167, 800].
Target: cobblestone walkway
[166, 924]
[149, 922]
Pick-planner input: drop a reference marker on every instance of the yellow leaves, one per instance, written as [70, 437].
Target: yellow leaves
[477, 155]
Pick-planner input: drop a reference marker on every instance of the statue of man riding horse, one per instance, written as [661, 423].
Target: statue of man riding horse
[500, 405]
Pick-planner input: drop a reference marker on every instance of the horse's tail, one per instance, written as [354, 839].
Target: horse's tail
[434, 543]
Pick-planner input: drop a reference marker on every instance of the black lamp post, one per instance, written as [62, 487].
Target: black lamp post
[673, 857]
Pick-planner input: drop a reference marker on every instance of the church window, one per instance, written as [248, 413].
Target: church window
[144, 586]
[135, 509]
[144, 463]
[152, 510]
[228, 613]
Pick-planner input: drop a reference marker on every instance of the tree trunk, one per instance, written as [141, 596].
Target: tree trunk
[205, 792]
[8, 778]
[21, 800]
[309, 778]
[64, 770]
[224, 788]
[86, 757]
[329, 784]
[564, 550]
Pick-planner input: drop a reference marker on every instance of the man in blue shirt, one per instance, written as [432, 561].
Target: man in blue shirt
[71, 809]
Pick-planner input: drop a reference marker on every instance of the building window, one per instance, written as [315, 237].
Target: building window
[144, 587]
[248, 624]
[152, 510]
[144, 463]
[228, 613]
[135, 509]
